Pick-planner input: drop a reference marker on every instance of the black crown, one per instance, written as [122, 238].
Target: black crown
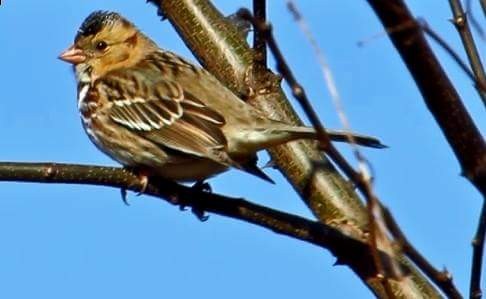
[95, 21]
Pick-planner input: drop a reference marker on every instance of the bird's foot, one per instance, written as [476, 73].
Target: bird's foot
[243, 26]
[270, 164]
[199, 213]
[123, 193]
[197, 210]
[202, 186]
[143, 178]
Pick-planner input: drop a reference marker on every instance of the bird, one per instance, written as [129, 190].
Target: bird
[154, 111]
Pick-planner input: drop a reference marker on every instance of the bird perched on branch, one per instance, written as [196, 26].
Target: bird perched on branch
[153, 111]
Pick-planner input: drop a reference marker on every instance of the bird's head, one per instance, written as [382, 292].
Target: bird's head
[107, 41]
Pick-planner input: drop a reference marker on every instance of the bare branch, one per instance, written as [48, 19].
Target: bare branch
[299, 93]
[442, 43]
[314, 232]
[375, 230]
[259, 45]
[461, 22]
[477, 259]
[327, 194]
[474, 21]
[320, 187]
[438, 92]
[442, 100]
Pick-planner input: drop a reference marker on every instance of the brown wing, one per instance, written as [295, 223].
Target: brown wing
[163, 113]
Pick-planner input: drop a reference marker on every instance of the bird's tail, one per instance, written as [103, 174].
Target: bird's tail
[249, 142]
[337, 135]
[255, 140]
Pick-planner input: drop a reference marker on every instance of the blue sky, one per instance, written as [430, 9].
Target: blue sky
[63, 241]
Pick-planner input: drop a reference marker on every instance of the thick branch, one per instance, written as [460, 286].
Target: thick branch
[264, 29]
[342, 246]
[215, 43]
[443, 102]
[221, 50]
[437, 90]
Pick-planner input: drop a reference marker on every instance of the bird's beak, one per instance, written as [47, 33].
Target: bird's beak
[73, 55]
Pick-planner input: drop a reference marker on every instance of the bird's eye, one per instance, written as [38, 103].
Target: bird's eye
[101, 45]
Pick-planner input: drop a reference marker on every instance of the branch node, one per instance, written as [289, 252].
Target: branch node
[297, 91]
[49, 172]
[445, 276]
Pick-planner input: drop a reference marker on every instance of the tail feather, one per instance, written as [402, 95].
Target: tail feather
[256, 171]
[248, 141]
[340, 136]
[363, 140]
[250, 166]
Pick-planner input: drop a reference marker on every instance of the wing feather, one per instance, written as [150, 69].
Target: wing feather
[171, 118]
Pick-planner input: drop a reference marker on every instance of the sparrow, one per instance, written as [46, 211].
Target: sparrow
[153, 111]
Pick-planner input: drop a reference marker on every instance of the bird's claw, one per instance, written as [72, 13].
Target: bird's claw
[202, 186]
[197, 210]
[124, 196]
[199, 213]
[143, 183]
[242, 26]
[270, 164]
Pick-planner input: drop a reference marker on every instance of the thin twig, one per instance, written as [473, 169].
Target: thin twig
[331, 86]
[483, 6]
[259, 45]
[443, 44]
[477, 259]
[422, 24]
[473, 20]
[460, 21]
[461, 24]
[325, 142]
[387, 31]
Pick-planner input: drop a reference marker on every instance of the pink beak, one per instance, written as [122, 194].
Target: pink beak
[73, 55]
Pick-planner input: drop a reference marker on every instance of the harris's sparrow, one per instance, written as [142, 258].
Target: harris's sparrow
[149, 109]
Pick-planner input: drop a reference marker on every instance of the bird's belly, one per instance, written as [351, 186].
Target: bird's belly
[133, 151]
[123, 146]
[192, 170]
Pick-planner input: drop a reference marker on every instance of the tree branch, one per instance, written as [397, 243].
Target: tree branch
[454, 55]
[264, 29]
[259, 45]
[474, 22]
[208, 35]
[442, 101]
[343, 247]
[322, 188]
[461, 23]
[477, 259]
[438, 92]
